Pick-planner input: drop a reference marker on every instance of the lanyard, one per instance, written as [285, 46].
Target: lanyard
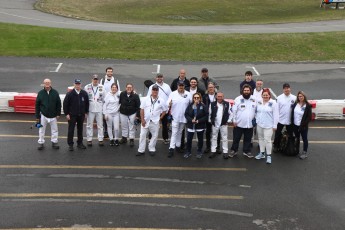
[94, 93]
[153, 104]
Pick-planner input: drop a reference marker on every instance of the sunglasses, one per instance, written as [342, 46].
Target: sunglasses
[196, 97]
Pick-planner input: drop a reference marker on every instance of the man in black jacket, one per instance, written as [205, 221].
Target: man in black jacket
[181, 77]
[48, 111]
[76, 108]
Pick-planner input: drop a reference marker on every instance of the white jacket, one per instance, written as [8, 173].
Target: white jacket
[96, 96]
[111, 103]
[244, 111]
[267, 115]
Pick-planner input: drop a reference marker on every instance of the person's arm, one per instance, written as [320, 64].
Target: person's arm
[204, 117]
[187, 115]
[142, 117]
[37, 107]
[58, 105]
[275, 115]
[66, 103]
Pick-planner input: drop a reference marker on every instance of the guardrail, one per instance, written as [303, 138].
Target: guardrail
[323, 109]
[324, 3]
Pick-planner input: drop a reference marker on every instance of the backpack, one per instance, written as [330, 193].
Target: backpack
[288, 145]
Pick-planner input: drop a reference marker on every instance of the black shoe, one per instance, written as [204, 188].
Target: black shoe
[55, 146]
[140, 154]
[106, 135]
[212, 155]
[171, 153]
[207, 150]
[131, 142]
[123, 140]
[112, 143]
[226, 155]
[70, 148]
[152, 153]
[40, 147]
[89, 143]
[81, 146]
[179, 150]
[101, 143]
[116, 142]
[218, 151]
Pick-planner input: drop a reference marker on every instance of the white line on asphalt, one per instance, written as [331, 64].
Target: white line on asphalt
[342, 67]
[50, 200]
[57, 68]
[158, 68]
[252, 67]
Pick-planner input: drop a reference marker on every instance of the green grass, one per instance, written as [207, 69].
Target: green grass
[196, 12]
[20, 40]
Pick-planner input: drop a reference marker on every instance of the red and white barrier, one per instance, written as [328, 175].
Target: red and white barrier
[329, 109]
[7, 101]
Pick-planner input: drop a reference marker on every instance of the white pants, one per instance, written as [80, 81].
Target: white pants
[53, 127]
[153, 128]
[176, 133]
[224, 138]
[89, 125]
[265, 142]
[127, 125]
[113, 125]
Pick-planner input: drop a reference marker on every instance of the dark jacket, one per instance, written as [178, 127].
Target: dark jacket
[173, 85]
[203, 83]
[206, 100]
[214, 109]
[201, 116]
[198, 90]
[129, 105]
[252, 84]
[48, 104]
[76, 104]
[306, 118]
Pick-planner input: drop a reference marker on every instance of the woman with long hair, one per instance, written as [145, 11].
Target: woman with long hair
[301, 115]
[267, 115]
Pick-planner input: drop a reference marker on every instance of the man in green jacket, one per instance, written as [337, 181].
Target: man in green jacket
[48, 110]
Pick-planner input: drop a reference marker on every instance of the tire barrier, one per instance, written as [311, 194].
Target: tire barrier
[324, 109]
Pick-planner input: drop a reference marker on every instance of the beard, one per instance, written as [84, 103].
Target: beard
[246, 96]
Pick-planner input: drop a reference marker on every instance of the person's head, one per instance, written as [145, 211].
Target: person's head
[248, 76]
[193, 82]
[286, 89]
[129, 88]
[266, 94]
[180, 86]
[109, 72]
[204, 73]
[211, 88]
[95, 79]
[220, 97]
[259, 84]
[155, 90]
[246, 91]
[301, 97]
[159, 78]
[196, 98]
[182, 74]
[114, 88]
[47, 84]
[77, 84]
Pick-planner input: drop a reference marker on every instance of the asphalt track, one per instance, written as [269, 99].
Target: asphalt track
[22, 12]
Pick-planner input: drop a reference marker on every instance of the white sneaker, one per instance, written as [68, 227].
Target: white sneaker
[260, 156]
[268, 160]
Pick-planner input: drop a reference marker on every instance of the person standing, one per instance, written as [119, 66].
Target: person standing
[163, 93]
[196, 115]
[301, 115]
[193, 88]
[96, 94]
[248, 79]
[111, 113]
[258, 90]
[285, 103]
[220, 116]
[178, 101]
[107, 82]
[152, 110]
[267, 115]
[181, 77]
[204, 80]
[48, 111]
[244, 112]
[76, 108]
[129, 113]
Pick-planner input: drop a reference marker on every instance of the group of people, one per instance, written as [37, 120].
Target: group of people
[194, 106]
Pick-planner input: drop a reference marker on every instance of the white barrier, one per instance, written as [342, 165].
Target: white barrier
[329, 109]
[5, 99]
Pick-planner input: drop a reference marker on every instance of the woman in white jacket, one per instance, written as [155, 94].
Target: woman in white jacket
[111, 113]
[267, 115]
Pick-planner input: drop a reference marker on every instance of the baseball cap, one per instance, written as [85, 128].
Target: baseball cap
[180, 82]
[155, 87]
[204, 70]
[77, 81]
[286, 85]
[95, 76]
[159, 75]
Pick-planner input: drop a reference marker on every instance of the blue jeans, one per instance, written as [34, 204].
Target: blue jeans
[304, 134]
[190, 136]
[247, 138]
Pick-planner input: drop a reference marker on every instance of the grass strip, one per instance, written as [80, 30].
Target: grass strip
[33, 41]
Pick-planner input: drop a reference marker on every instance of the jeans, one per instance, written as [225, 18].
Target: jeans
[190, 136]
[247, 133]
[304, 134]
[71, 125]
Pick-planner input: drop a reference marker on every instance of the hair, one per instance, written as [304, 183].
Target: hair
[248, 73]
[199, 94]
[259, 79]
[113, 85]
[193, 78]
[211, 83]
[127, 84]
[108, 68]
[246, 86]
[305, 97]
[266, 90]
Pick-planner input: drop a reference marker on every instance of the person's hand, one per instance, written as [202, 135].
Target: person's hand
[170, 103]
[85, 115]
[68, 117]
[274, 129]
[57, 117]
[106, 117]
[37, 120]
[143, 123]
[235, 124]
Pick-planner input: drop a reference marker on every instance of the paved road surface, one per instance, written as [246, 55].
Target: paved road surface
[22, 12]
